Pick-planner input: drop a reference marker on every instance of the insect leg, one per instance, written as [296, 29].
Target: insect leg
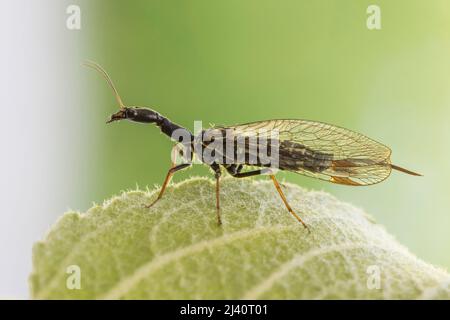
[277, 186]
[238, 174]
[218, 173]
[169, 175]
[248, 173]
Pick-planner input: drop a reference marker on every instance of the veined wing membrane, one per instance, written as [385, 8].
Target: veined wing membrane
[322, 150]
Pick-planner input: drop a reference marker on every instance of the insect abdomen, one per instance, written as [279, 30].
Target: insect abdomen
[295, 156]
[253, 151]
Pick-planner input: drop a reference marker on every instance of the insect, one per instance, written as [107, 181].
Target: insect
[310, 148]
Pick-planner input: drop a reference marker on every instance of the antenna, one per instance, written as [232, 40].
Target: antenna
[105, 75]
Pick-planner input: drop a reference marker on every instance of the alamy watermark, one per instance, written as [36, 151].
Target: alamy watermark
[73, 281]
[373, 21]
[227, 146]
[373, 277]
[73, 21]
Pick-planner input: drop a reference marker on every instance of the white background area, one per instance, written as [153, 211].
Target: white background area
[39, 141]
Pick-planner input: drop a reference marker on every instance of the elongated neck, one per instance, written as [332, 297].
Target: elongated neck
[174, 131]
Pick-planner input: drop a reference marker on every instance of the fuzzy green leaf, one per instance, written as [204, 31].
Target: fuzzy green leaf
[176, 250]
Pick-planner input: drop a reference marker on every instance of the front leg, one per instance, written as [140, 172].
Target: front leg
[176, 151]
[169, 175]
[217, 174]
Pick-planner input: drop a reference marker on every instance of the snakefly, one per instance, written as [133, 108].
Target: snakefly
[310, 148]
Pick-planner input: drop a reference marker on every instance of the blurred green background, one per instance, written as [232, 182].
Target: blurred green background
[228, 62]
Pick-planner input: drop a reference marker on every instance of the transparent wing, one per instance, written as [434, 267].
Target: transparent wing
[322, 150]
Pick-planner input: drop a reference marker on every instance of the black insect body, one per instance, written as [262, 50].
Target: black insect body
[310, 148]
